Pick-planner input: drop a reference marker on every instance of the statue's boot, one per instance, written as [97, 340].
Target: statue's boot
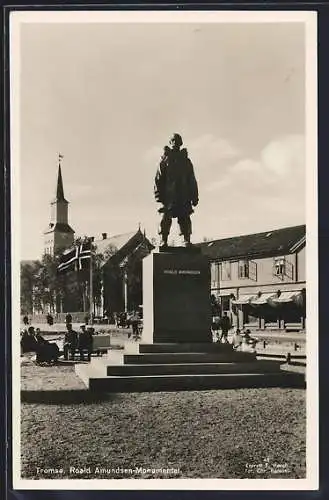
[164, 241]
[185, 226]
[164, 230]
[187, 242]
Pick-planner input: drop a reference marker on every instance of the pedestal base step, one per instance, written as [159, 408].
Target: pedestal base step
[192, 368]
[183, 347]
[184, 382]
[189, 357]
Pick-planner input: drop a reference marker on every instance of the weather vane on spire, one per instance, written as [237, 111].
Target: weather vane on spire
[60, 157]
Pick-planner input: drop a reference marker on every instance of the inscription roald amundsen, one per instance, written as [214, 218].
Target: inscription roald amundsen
[181, 271]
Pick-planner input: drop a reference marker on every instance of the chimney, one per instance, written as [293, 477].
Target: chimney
[104, 236]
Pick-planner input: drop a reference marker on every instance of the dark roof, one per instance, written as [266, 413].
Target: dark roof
[60, 227]
[122, 246]
[266, 244]
[116, 242]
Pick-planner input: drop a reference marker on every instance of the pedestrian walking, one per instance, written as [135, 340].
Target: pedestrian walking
[68, 319]
[50, 319]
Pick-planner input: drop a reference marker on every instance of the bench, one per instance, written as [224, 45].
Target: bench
[101, 344]
[293, 327]
[101, 341]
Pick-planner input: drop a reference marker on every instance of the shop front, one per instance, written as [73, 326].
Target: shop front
[275, 310]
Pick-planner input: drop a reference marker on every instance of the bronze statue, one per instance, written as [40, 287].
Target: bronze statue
[176, 189]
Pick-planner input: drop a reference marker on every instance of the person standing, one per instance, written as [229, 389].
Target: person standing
[216, 327]
[225, 325]
[50, 319]
[134, 323]
[68, 319]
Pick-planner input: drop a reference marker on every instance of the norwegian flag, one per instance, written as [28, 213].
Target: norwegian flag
[74, 258]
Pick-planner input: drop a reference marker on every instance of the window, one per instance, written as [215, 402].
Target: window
[247, 269]
[279, 266]
[215, 275]
[225, 273]
[282, 267]
[243, 269]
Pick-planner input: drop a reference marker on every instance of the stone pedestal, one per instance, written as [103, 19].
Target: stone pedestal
[176, 297]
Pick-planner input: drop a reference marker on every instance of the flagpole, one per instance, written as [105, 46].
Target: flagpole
[91, 298]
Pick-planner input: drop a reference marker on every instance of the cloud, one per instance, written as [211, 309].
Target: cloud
[208, 149]
[209, 154]
[217, 185]
[262, 192]
[205, 150]
[284, 156]
[267, 189]
[281, 162]
[246, 166]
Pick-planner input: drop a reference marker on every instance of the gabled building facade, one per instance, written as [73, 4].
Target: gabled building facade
[121, 266]
[259, 279]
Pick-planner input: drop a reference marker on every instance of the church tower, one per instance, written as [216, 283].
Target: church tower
[59, 234]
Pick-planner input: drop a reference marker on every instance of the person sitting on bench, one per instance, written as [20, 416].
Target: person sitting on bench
[250, 340]
[46, 352]
[70, 342]
[86, 341]
[237, 340]
[28, 340]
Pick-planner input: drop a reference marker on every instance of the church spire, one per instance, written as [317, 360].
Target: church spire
[60, 190]
[59, 234]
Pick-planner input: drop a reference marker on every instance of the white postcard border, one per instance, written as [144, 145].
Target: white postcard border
[310, 20]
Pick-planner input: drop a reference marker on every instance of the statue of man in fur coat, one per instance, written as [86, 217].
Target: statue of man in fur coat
[176, 189]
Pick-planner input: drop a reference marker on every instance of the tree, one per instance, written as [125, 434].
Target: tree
[28, 279]
[43, 289]
[49, 290]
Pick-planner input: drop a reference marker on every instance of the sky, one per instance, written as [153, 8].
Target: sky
[108, 97]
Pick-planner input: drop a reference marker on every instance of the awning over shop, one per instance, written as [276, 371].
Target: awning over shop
[244, 299]
[223, 293]
[263, 299]
[288, 297]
